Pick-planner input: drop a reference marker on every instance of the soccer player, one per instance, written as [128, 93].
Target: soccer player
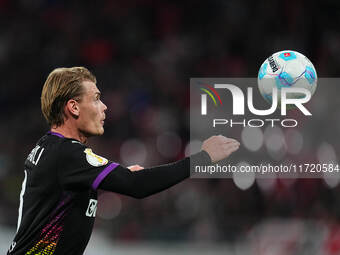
[58, 200]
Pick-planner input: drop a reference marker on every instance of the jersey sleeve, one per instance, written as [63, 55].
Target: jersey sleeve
[149, 181]
[79, 168]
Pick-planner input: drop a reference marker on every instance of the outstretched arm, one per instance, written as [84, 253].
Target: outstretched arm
[143, 183]
[148, 181]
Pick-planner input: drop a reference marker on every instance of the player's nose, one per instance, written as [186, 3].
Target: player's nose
[104, 107]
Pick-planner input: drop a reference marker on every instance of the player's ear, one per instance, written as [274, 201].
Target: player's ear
[72, 107]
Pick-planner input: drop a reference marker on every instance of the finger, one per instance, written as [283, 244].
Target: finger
[226, 145]
[135, 167]
[233, 141]
[229, 140]
[231, 147]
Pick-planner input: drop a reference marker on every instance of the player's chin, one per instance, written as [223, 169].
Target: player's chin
[101, 131]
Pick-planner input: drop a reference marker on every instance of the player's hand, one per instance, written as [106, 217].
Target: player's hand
[135, 167]
[219, 147]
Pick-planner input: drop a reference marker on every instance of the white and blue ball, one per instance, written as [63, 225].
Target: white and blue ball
[285, 69]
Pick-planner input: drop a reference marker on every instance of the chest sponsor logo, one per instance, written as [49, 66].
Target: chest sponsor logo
[92, 208]
[93, 159]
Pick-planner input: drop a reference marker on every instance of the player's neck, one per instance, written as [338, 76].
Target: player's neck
[70, 132]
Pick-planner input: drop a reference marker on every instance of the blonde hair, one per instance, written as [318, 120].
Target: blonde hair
[61, 85]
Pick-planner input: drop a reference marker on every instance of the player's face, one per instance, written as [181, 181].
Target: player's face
[91, 111]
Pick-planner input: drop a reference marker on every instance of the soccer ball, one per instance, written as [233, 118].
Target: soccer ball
[286, 69]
